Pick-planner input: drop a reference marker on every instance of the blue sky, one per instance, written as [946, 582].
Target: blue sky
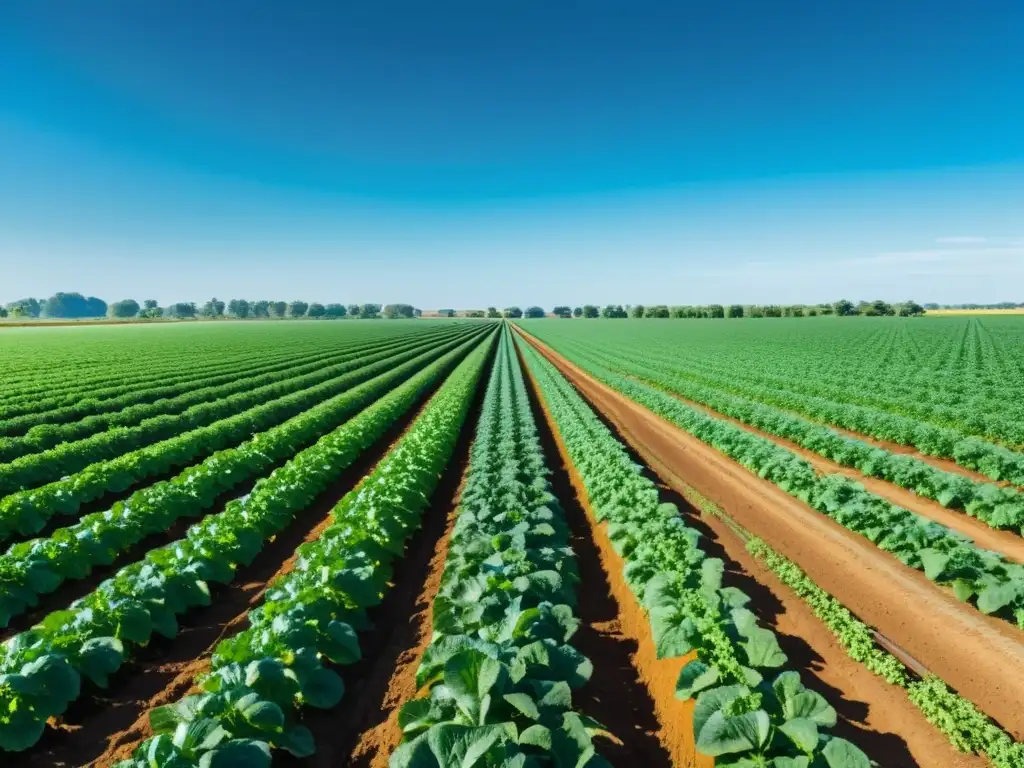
[467, 153]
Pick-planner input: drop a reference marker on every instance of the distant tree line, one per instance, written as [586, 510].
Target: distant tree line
[77, 306]
[999, 305]
[842, 307]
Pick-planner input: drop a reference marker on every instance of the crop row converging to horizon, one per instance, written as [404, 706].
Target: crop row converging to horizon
[528, 543]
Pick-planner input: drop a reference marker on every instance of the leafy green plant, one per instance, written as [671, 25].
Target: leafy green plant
[500, 669]
[307, 622]
[747, 713]
[95, 633]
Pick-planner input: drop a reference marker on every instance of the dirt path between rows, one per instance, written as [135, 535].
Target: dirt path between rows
[979, 656]
[1006, 543]
[104, 726]
[631, 692]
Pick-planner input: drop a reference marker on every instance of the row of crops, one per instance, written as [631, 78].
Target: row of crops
[273, 491]
[983, 580]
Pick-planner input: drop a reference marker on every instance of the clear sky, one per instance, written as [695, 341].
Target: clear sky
[473, 153]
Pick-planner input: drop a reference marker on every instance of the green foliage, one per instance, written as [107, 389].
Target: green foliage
[261, 676]
[500, 670]
[399, 310]
[93, 636]
[71, 306]
[213, 308]
[123, 309]
[745, 707]
[535, 312]
[994, 584]
[239, 308]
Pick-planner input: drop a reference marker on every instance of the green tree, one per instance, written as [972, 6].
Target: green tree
[613, 310]
[513, 312]
[316, 310]
[398, 310]
[534, 312]
[353, 310]
[591, 311]
[881, 308]
[577, 312]
[844, 308]
[278, 308]
[493, 312]
[213, 308]
[716, 310]
[736, 310]
[637, 311]
[238, 308]
[335, 310]
[297, 309]
[73, 305]
[25, 308]
[562, 311]
[369, 311]
[911, 309]
[185, 309]
[123, 309]
[260, 308]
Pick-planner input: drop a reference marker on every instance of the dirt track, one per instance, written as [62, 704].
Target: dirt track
[981, 657]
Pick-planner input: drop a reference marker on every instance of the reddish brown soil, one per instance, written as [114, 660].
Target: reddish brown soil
[104, 726]
[392, 681]
[1006, 543]
[979, 656]
[632, 692]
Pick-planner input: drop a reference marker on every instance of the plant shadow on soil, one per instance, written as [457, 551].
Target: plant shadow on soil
[615, 695]
[102, 720]
[887, 749]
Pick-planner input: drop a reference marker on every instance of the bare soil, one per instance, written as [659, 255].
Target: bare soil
[979, 656]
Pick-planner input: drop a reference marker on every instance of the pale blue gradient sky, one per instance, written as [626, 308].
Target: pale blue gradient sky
[537, 156]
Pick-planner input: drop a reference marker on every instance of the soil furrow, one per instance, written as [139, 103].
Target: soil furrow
[979, 656]
[627, 678]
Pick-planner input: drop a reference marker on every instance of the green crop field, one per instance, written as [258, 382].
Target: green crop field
[774, 543]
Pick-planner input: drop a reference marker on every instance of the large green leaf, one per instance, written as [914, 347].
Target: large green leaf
[722, 735]
[839, 753]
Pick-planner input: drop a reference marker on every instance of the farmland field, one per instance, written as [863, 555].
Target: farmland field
[790, 543]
